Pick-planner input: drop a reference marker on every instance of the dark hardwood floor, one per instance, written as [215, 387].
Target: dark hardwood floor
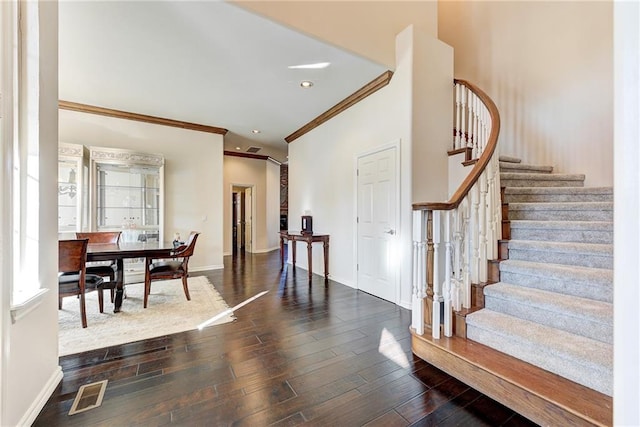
[301, 354]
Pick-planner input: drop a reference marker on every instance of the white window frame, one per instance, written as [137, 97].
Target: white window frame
[19, 128]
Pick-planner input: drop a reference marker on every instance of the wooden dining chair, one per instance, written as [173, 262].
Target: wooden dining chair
[102, 268]
[176, 268]
[73, 279]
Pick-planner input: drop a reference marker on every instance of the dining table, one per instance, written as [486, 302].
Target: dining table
[125, 250]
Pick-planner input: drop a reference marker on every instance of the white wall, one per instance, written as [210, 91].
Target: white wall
[193, 173]
[259, 174]
[367, 28]
[322, 163]
[626, 394]
[549, 68]
[30, 370]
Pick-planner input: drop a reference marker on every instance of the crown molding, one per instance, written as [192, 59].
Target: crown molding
[92, 109]
[368, 89]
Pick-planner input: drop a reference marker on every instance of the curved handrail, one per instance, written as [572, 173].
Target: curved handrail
[482, 162]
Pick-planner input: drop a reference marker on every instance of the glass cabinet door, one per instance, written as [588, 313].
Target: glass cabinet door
[127, 193]
[128, 198]
[73, 185]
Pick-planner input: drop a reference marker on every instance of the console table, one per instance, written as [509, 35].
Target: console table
[309, 239]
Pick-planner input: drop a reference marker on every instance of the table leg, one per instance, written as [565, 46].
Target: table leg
[281, 253]
[309, 257]
[326, 260]
[293, 253]
[117, 302]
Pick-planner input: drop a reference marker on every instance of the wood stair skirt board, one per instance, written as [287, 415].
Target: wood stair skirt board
[537, 394]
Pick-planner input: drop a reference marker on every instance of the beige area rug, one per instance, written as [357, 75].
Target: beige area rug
[168, 312]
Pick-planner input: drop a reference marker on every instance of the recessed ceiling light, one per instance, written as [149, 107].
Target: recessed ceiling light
[314, 66]
[256, 131]
[238, 148]
[306, 84]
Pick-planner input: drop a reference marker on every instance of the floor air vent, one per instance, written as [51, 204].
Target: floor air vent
[89, 396]
[253, 149]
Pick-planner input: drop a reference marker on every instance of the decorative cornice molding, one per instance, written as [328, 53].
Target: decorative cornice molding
[368, 89]
[126, 156]
[84, 108]
[70, 150]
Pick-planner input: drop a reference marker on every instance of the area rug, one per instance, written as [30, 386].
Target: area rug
[167, 312]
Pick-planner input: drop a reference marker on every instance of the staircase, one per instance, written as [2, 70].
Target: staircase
[553, 304]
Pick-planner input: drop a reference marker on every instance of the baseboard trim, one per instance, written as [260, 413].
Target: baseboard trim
[207, 267]
[34, 410]
[264, 251]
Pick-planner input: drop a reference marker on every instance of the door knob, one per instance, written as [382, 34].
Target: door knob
[390, 231]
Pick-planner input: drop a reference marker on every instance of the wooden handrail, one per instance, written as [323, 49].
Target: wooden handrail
[482, 162]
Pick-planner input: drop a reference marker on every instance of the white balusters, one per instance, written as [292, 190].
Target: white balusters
[467, 252]
[458, 263]
[475, 233]
[451, 247]
[446, 291]
[419, 271]
[492, 248]
[458, 117]
[437, 284]
[482, 222]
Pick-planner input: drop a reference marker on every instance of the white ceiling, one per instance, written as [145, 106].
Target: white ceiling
[207, 62]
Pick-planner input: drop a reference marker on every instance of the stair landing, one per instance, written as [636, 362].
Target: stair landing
[541, 396]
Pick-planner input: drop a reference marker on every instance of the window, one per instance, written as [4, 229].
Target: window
[19, 127]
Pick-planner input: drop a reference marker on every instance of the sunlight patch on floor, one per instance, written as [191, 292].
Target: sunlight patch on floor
[391, 349]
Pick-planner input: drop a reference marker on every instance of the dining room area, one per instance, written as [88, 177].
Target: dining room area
[129, 237]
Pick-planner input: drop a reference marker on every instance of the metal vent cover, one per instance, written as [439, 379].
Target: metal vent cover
[253, 149]
[89, 396]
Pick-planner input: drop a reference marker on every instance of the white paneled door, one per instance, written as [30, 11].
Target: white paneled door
[378, 224]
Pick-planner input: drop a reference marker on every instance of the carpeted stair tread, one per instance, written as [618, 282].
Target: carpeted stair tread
[524, 167]
[543, 176]
[598, 255]
[586, 317]
[560, 206]
[559, 190]
[566, 211]
[518, 179]
[563, 231]
[558, 194]
[509, 159]
[564, 247]
[564, 225]
[593, 283]
[583, 360]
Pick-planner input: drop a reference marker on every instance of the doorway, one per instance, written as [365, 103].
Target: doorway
[241, 218]
[377, 223]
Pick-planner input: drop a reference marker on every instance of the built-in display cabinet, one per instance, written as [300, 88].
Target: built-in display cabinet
[107, 189]
[127, 194]
[73, 189]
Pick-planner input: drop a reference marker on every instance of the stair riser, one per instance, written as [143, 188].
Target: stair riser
[561, 215]
[530, 352]
[578, 236]
[566, 258]
[556, 198]
[593, 290]
[539, 183]
[589, 328]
